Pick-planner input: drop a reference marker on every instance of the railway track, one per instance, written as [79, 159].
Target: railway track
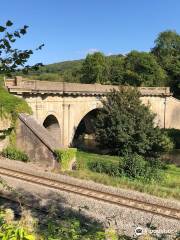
[156, 209]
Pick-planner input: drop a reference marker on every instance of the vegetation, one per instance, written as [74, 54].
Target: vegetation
[94, 69]
[61, 229]
[125, 126]
[167, 187]
[174, 134]
[11, 105]
[167, 52]
[133, 166]
[109, 167]
[14, 154]
[64, 228]
[12, 58]
[65, 157]
[68, 71]
[10, 229]
[142, 69]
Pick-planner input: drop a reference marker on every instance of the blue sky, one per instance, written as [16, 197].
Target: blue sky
[72, 28]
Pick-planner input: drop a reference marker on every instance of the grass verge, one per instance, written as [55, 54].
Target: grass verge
[169, 187]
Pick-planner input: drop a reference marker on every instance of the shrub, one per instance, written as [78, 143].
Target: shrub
[125, 126]
[133, 166]
[11, 229]
[15, 154]
[103, 166]
[174, 134]
[65, 157]
[136, 166]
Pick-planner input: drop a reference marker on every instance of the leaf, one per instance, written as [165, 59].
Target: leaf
[9, 23]
[23, 31]
[17, 34]
[2, 29]
[40, 47]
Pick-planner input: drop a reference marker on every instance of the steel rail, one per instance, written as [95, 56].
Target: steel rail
[107, 197]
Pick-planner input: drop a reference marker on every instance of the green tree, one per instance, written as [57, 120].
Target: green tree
[142, 69]
[167, 51]
[13, 59]
[126, 126]
[94, 68]
[116, 69]
[167, 44]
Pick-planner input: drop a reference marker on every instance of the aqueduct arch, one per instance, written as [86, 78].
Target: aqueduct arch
[52, 125]
[84, 134]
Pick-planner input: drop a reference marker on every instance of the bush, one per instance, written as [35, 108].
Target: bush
[14, 154]
[154, 169]
[102, 166]
[65, 157]
[17, 230]
[136, 166]
[133, 166]
[174, 134]
[125, 126]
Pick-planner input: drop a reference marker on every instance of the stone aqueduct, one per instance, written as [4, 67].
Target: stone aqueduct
[60, 107]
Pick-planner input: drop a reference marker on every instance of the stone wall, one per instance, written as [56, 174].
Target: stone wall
[34, 140]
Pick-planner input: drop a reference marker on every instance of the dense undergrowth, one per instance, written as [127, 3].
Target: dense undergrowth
[167, 187]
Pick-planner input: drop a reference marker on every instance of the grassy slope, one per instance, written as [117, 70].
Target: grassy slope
[168, 188]
[12, 105]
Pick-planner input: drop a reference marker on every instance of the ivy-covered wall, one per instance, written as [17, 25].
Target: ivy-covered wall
[66, 157]
[10, 107]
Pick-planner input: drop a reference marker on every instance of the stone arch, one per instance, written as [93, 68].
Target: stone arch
[51, 123]
[84, 130]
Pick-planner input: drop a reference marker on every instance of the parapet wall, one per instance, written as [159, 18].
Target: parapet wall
[19, 86]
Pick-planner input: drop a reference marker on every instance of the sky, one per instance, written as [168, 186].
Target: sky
[72, 28]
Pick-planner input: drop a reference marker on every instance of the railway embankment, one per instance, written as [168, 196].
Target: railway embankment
[119, 216]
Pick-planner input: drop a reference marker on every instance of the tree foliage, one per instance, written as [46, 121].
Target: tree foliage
[12, 59]
[94, 68]
[116, 69]
[142, 69]
[126, 126]
[167, 51]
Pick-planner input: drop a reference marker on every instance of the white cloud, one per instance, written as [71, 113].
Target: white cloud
[83, 53]
[92, 50]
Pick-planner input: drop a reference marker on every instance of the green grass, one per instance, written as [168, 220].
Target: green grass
[11, 105]
[169, 187]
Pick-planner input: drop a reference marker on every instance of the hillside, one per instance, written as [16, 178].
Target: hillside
[68, 71]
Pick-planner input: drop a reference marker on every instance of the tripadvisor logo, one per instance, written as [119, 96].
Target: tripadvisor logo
[139, 231]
